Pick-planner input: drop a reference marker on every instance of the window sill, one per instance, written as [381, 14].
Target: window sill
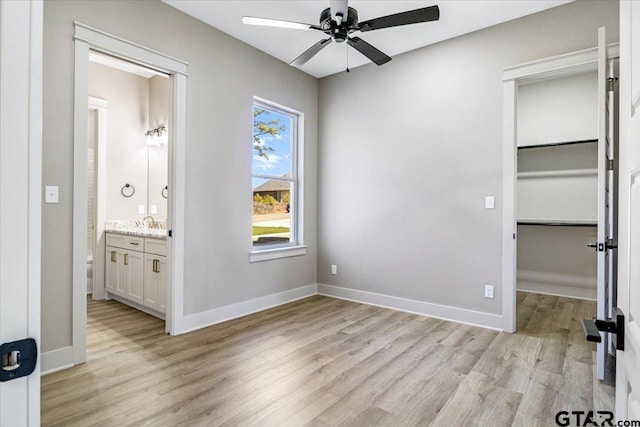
[277, 253]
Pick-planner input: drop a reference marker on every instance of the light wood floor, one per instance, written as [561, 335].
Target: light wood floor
[327, 362]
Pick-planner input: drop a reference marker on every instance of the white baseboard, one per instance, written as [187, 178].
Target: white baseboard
[203, 319]
[566, 285]
[453, 314]
[56, 360]
[557, 290]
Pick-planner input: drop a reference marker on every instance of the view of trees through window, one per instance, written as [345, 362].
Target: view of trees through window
[273, 179]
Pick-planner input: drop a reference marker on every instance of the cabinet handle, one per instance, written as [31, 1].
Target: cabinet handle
[114, 256]
[134, 243]
[156, 266]
[126, 259]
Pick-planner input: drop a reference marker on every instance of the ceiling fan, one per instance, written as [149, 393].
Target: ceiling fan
[339, 21]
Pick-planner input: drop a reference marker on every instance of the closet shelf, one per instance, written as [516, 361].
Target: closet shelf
[558, 222]
[558, 144]
[559, 173]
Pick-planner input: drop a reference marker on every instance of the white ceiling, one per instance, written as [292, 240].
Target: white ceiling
[457, 17]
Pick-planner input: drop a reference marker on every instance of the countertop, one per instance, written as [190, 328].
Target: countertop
[142, 232]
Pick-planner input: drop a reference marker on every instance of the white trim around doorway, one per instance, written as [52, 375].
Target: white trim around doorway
[86, 39]
[555, 66]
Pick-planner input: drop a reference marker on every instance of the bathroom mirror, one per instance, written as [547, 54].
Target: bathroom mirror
[157, 190]
[137, 124]
[157, 143]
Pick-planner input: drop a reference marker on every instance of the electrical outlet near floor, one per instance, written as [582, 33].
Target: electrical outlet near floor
[488, 291]
[334, 269]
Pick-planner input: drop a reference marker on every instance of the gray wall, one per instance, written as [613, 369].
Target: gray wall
[224, 75]
[408, 151]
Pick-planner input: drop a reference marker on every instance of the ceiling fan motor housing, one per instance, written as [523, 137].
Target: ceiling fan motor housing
[339, 32]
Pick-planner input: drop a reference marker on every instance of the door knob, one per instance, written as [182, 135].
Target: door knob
[614, 325]
[597, 246]
[18, 359]
[600, 247]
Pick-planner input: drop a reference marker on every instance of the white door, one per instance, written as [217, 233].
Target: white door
[20, 199]
[628, 361]
[605, 149]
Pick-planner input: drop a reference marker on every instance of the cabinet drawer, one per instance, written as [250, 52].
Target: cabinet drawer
[155, 246]
[123, 241]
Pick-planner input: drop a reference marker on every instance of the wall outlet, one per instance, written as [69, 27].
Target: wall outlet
[141, 209]
[51, 194]
[153, 209]
[488, 291]
[489, 202]
[334, 269]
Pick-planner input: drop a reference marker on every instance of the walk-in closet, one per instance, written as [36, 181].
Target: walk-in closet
[557, 185]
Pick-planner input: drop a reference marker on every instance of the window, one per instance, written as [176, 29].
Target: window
[275, 184]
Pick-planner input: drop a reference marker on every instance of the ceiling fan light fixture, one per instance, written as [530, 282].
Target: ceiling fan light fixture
[339, 21]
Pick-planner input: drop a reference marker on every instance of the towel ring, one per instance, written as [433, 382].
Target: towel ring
[165, 191]
[128, 190]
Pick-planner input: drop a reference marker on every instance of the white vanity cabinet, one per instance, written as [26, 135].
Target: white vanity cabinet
[155, 275]
[136, 270]
[125, 266]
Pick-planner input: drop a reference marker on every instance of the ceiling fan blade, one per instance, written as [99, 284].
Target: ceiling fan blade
[311, 52]
[339, 7]
[431, 13]
[369, 51]
[266, 22]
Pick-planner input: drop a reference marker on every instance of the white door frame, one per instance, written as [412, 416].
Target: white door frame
[21, 61]
[86, 38]
[100, 107]
[555, 66]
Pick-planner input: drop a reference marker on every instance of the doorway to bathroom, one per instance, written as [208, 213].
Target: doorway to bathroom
[127, 183]
[129, 170]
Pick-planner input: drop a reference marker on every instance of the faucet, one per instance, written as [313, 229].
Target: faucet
[152, 223]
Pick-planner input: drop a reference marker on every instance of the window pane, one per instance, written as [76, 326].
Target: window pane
[271, 143]
[271, 211]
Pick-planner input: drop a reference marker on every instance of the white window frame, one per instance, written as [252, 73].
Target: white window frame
[295, 247]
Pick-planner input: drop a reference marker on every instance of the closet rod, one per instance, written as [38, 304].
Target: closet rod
[559, 224]
[559, 144]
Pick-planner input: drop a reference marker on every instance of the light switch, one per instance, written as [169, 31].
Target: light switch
[51, 194]
[154, 209]
[141, 209]
[489, 202]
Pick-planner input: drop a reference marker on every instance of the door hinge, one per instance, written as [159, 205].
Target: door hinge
[611, 84]
[610, 165]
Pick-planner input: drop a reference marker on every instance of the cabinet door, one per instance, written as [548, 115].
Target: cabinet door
[112, 267]
[121, 283]
[162, 283]
[155, 279]
[134, 264]
[150, 282]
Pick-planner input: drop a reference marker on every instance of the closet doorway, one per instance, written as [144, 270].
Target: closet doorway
[559, 188]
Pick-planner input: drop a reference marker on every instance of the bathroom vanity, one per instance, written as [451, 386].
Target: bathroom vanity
[136, 269]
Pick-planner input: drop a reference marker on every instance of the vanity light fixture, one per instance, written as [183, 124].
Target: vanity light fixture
[158, 136]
